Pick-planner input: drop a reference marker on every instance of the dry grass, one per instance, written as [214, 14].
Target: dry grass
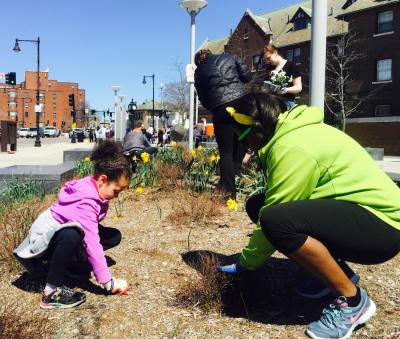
[205, 290]
[190, 207]
[169, 176]
[15, 221]
[18, 324]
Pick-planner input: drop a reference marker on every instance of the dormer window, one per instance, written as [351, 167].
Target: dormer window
[300, 20]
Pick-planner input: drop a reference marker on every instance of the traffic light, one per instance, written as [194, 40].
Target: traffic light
[93, 111]
[11, 78]
[71, 100]
[108, 112]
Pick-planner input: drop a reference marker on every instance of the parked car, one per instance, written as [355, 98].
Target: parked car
[22, 132]
[52, 132]
[78, 131]
[32, 132]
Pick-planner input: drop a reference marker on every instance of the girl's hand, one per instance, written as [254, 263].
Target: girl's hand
[115, 286]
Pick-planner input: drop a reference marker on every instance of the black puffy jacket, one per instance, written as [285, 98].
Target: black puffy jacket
[220, 79]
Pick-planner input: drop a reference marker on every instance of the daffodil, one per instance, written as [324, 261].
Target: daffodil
[142, 184]
[232, 204]
[218, 157]
[134, 158]
[116, 217]
[200, 148]
[87, 158]
[173, 143]
[193, 152]
[145, 157]
[139, 190]
[213, 158]
[205, 172]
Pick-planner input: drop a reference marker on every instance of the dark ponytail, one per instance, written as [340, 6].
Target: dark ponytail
[108, 160]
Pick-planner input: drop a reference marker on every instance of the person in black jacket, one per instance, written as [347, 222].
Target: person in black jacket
[220, 79]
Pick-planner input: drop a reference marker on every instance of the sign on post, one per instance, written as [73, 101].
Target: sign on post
[190, 68]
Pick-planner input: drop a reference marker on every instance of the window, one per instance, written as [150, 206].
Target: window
[12, 94]
[54, 123]
[384, 70]
[54, 106]
[54, 95]
[41, 95]
[26, 104]
[26, 95]
[54, 116]
[245, 34]
[297, 57]
[12, 104]
[256, 62]
[300, 24]
[385, 22]
[340, 47]
[12, 114]
[382, 110]
[26, 114]
[289, 55]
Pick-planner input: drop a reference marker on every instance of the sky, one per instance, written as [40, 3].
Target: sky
[101, 43]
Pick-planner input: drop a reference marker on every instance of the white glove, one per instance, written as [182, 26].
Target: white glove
[282, 90]
[115, 286]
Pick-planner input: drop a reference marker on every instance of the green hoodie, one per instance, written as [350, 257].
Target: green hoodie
[307, 159]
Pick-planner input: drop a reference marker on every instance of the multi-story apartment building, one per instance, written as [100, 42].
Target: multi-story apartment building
[17, 102]
[376, 24]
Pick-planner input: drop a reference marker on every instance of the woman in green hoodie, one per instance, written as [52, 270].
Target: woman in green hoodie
[326, 201]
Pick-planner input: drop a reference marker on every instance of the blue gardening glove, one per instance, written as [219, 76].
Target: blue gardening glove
[233, 269]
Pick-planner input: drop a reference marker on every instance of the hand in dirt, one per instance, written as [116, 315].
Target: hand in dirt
[233, 269]
[115, 286]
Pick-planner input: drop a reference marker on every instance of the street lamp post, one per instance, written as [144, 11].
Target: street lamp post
[144, 82]
[193, 7]
[38, 108]
[117, 117]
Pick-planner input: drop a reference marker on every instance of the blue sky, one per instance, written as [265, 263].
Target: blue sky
[99, 43]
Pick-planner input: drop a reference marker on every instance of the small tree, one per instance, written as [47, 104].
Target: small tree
[343, 95]
[176, 93]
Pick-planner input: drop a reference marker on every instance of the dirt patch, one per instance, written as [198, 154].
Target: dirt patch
[157, 259]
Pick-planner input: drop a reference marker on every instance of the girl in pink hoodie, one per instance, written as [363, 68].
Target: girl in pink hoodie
[71, 226]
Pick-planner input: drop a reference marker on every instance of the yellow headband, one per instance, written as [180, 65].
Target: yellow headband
[242, 119]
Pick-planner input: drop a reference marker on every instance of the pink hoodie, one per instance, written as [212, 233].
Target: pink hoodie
[80, 201]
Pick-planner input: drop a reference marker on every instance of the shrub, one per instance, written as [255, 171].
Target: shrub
[193, 207]
[15, 222]
[83, 168]
[205, 290]
[16, 323]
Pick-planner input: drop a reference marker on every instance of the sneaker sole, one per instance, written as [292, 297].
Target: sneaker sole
[364, 318]
[51, 306]
[354, 279]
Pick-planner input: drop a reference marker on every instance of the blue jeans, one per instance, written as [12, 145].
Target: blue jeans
[290, 104]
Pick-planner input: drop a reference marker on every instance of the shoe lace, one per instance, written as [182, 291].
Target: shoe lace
[333, 312]
[67, 291]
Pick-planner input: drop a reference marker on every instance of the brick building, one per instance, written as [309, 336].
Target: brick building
[17, 102]
[377, 26]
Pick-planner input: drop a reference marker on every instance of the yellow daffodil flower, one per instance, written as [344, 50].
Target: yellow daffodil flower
[232, 204]
[173, 143]
[213, 158]
[142, 184]
[87, 158]
[134, 158]
[206, 172]
[193, 152]
[116, 217]
[200, 148]
[145, 157]
[139, 190]
[218, 158]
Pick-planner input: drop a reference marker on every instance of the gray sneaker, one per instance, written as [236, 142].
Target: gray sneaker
[338, 320]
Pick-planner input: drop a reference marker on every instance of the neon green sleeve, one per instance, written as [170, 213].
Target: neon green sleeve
[293, 175]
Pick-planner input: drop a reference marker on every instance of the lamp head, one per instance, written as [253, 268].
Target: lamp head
[144, 80]
[16, 47]
[193, 5]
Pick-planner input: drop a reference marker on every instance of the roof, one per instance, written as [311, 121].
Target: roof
[282, 27]
[148, 105]
[215, 46]
[352, 6]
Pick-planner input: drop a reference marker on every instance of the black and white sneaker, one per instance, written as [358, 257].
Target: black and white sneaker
[62, 297]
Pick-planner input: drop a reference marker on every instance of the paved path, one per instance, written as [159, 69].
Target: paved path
[50, 153]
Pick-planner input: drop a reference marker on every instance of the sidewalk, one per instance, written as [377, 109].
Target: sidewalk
[47, 154]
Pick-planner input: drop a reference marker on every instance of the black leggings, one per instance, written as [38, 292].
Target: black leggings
[66, 246]
[231, 151]
[350, 232]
